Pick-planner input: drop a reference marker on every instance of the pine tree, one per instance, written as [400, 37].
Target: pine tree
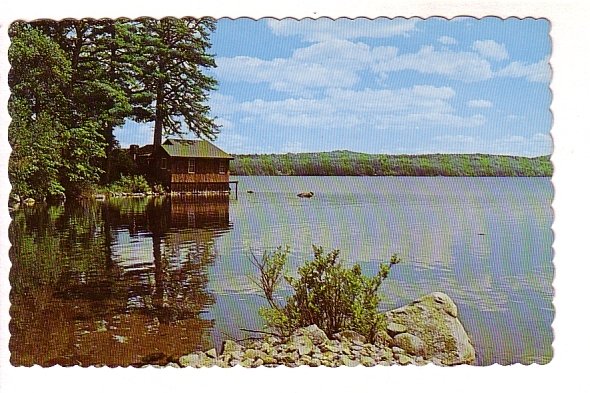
[176, 55]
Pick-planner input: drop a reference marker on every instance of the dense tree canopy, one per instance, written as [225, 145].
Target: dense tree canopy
[74, 81]
[175, 87]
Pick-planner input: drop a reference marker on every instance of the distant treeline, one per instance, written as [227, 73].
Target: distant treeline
[345, 163]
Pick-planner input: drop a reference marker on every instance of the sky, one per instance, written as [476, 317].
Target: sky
[394, 86]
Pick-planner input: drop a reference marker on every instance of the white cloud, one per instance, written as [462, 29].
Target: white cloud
[464, 66]
[326, 29]
[345, 109]
[491, 49]
[338, 63]
[283, 74]
[480, 104]
[446, 40]
[535, 72]
[343, 54]
[333, 63]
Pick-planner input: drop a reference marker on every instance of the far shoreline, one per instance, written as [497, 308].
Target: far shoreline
[347, 163]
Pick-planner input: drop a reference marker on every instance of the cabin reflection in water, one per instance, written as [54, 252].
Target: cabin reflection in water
[129, 288]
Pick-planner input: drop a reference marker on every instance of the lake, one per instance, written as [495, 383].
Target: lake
[144, 280]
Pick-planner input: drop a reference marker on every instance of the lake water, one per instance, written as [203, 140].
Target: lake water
[145, 280]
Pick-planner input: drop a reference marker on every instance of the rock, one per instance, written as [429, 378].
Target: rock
[100, 197]
[346, 350]
[234, 362]
[247, 363]
[308, 194]
[383, 338]
[229, 347]
[198, 359]
[368, 361]
[433, 319]
[404, 359]
[395, 328]
[350, 335]
[384, 354]
[410, 343]
[328, 356]
[286, 358]
[395, 349]
[425, 331]
[315, 362]
[446, 303]
[317, 335]
[269, 360]
[253, 354]
[303, 344]
[349, 362]
[332, 348]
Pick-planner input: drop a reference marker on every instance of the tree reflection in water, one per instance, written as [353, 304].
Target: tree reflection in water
[118, 283]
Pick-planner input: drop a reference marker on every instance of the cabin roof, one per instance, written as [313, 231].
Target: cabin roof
[193, 149]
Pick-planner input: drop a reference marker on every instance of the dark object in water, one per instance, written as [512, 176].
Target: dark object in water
[481, 234]
[308, 194]
[250, 192]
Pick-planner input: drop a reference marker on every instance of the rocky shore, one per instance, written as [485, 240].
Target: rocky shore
[426, 331]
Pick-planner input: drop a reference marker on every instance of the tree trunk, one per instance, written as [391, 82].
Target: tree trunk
[158, 128]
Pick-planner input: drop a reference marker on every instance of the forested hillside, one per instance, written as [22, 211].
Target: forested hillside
[345, 163]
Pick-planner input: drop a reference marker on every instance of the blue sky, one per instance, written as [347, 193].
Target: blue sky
[398, 86]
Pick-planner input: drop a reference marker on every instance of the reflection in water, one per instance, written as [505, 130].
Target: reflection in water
[85, 291]
[142, 280]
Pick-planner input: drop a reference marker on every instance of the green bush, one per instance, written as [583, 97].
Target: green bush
[326, 294]
[130, 184]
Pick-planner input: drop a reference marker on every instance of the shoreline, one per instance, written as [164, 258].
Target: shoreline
[425, 331]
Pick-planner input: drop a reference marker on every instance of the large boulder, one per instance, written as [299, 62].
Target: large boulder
[314, 333]
[411, 344]
[433, 319]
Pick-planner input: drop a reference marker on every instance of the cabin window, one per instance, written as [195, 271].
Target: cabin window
[163, 163]
[191, 166]
[222, 167]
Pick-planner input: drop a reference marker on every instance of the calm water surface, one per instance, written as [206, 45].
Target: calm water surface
[136, 281]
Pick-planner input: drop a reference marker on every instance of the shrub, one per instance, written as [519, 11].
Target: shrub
[326, 294]
[130, 184]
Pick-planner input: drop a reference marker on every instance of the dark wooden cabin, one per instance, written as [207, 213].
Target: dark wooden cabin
[186, 165]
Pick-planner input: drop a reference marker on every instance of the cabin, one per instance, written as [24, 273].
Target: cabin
[186, 166]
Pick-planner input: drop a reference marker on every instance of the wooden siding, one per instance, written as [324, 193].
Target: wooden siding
[207, 174]
[199, 178]
[201, 165]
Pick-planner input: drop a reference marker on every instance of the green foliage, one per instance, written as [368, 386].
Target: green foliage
[174, 53]
[326, 294]
[37, 121]
[73, 81]
[130, 184]
[345, 163]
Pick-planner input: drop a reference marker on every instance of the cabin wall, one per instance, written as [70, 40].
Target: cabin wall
[201, 171]
[206, 174]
